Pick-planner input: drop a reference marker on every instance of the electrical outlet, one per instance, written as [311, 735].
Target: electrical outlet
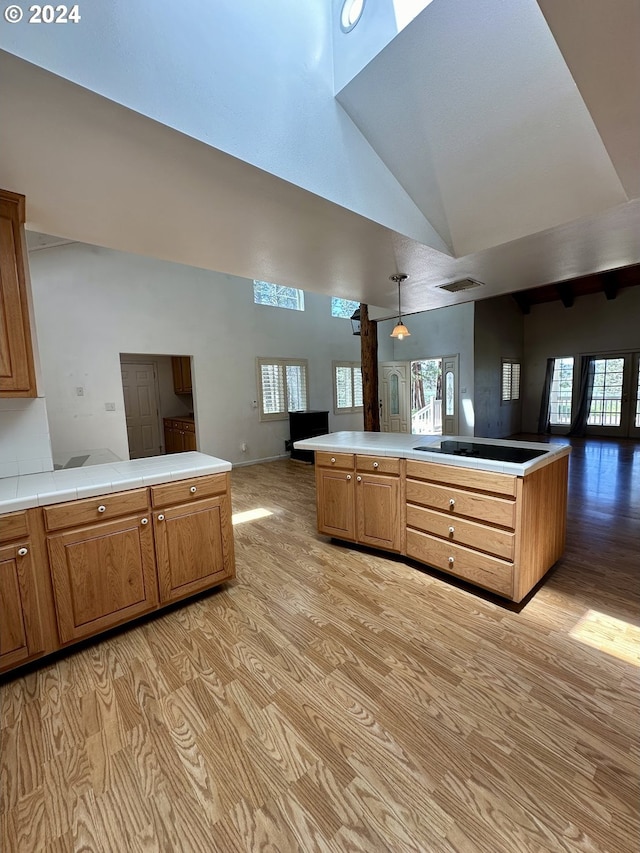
[109, 407]
[243, 446]
[80, 391]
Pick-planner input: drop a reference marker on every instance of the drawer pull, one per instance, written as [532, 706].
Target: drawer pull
[333, 458]
[450, 561]
[348, 476]
[452, 530]
[161, 517]
[102, 508]
[22, 552]
[376, 465]
[452, 503]
[144, 521]
[359, 479]
[193, 490]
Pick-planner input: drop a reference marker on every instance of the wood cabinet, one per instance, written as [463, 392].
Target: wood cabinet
[20, 625]
[181, 366]
[359, 499]
[179, 435]
[17, 374]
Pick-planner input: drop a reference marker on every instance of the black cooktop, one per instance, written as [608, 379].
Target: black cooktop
[495, 452]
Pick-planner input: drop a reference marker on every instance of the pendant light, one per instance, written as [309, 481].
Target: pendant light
[400, 331]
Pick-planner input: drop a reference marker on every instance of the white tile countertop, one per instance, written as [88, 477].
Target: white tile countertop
[404, 446]
[31, 490]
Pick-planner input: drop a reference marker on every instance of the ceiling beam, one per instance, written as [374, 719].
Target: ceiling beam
[610, 284]
[565, 292]
[522, 299]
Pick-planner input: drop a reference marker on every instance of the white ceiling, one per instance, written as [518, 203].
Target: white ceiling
[529, 177]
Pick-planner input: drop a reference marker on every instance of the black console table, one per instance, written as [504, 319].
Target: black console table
[306, 425]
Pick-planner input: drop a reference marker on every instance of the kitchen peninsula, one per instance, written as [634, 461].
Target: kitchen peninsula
[489, 511]
[85, 549]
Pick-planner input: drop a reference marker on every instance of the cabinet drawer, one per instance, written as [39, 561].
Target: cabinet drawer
[335, 460]
[468, 478]
[455, 502]
[501, 543]
[187, 426]
[480, 569]
[88, 510]
[182, 491]
[13, 526]
[378, 464]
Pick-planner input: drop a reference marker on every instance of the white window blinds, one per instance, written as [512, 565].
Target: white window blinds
[282, 387]
[347, 386]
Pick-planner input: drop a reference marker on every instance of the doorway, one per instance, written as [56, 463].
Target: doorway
[141, 408]
[615, 398]
[426, 396]
[420, 396]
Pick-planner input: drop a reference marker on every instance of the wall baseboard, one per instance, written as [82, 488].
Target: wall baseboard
[258, 461]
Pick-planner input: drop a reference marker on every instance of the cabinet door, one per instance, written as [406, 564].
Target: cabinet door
[20, 634]
[194, 547]
[17, 377]
[378, 511]
[103, 574]
[181, 366]
[336, 505]
[190, 441]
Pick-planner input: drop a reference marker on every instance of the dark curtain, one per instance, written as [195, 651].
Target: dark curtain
[587, 370]
[543, 419]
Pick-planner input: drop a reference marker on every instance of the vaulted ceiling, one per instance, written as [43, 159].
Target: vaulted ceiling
[511, 131]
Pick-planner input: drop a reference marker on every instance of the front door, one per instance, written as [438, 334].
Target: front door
[395, 402]
[139, 384]
[450, 394]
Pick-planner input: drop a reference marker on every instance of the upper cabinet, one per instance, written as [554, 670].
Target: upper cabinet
[17, 374]
[181, 365]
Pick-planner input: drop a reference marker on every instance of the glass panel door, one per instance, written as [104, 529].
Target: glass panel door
[614, 403]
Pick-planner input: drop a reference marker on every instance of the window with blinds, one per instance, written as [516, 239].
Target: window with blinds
[282, 387]
[347, 387]
[510, 380]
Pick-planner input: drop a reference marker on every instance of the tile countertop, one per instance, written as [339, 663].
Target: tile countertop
[403, 446]
[30, 490]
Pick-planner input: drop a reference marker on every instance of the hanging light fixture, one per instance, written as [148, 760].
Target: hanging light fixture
[355, 321]
[400, 331]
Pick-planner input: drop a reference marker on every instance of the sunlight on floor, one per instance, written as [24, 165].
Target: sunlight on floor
[250, 515]
[610, 635]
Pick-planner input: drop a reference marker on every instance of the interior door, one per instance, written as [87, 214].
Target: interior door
[395, 384]
[450, 395]
[139, 384]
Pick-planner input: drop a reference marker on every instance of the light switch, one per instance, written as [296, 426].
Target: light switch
[110, 407]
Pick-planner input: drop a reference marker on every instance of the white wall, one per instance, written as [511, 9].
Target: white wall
[498, 333]
[24, 437]
[444, 331]
[92, 304]
[594, 324]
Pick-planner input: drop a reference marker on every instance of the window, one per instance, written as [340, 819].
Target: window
[510, 380]
[347, 387]
[343, 307]
[606, 400]
[266, 293]
[282, 387]
[561, 392]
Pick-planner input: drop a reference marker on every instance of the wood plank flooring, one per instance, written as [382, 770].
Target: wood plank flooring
[333, 699]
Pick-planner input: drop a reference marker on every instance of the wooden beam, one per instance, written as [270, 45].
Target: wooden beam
[565, 292]
[610, 284]
[522, 299]
[369, 361]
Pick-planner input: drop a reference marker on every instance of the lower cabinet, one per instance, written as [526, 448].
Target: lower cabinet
[103, 574]
[179, 435]
[20, 631]
[359, 499]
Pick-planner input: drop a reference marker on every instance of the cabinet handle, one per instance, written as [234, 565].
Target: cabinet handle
[452, 530]
[348, 476]
[193, 490]
[22, 552]
[452, 503]
[450, 561]
[102, 508]
[359, 479]
[333, 458]
[161, 517]
[375, 465]
[144, 521]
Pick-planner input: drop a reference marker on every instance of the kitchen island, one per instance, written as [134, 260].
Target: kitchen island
[85, 549]
[498, 523]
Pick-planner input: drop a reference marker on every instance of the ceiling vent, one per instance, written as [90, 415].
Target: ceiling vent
[463, 284]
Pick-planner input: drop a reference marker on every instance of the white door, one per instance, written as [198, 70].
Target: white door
[140, 386]
[450, 394]
[395, 404]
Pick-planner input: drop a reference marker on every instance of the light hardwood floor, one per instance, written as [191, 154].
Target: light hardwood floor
[333, 699]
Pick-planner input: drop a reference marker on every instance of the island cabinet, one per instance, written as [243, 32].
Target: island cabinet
[20, 625]
[359, 498]
[17, 374]
[101, 555]
[193, 533]
[499, 531]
